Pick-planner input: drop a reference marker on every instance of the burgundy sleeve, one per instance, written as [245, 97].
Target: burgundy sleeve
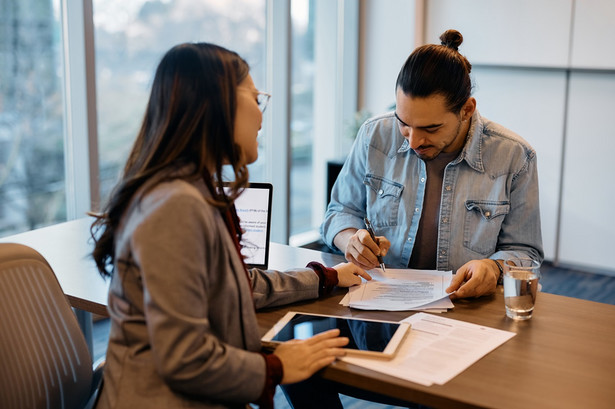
[327, 277]
[274, 375]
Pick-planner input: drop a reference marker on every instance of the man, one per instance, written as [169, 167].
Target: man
[443, 187]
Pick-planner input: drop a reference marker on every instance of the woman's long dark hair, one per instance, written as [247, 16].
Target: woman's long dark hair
[188, 124]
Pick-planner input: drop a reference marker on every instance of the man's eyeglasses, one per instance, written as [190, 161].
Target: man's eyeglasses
[262, 99]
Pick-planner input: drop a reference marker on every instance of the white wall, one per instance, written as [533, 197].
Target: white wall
[530, 102]
[386, 39]
[503, 32]
[594, 30]
[588, 196]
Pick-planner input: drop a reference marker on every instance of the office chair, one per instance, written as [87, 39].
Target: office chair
[44, 358]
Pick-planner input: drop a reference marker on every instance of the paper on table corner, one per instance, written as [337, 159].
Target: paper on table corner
[431, 353]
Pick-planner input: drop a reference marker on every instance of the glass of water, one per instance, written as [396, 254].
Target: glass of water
[521, 277]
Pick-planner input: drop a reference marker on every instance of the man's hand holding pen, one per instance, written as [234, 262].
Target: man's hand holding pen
[360, 249]
[372, 234]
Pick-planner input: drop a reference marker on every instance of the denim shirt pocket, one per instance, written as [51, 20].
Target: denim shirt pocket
[482, 224]
[383, 198]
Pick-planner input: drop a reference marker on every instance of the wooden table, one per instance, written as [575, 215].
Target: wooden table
[564, 357]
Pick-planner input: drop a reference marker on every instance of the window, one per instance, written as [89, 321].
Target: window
[32, 188]
[324, 102]
[302, 116]
[131, 38]
[75, 76]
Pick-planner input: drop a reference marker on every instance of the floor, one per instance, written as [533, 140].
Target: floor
[561, 281]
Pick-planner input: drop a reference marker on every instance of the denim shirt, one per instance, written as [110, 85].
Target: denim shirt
[489, 206]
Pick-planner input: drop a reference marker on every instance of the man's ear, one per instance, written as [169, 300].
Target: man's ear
[467, 110]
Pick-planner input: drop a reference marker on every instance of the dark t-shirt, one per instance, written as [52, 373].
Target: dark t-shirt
[426, 243]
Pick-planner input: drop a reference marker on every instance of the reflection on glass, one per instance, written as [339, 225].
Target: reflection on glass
[131, 37]
[302, 115]
[32, 188]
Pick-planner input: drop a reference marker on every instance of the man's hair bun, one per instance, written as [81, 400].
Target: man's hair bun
[451, 39]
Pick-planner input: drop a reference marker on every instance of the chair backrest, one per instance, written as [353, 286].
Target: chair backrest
[44, 359]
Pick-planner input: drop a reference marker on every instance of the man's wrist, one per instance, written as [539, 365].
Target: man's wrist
[342, 238]
[500, 279]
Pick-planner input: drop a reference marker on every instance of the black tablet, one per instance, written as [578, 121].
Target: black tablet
[373, 338]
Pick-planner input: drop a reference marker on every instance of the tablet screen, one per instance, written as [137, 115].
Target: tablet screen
[253, 208]
[363, 335]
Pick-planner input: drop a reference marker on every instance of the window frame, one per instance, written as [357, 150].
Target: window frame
[80, 134]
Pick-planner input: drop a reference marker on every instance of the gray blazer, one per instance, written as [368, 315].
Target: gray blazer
[183, 323]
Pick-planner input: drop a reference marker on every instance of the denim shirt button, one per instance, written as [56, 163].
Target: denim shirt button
[448, 188]
[416, 210]
[487, 214]
[409, 239]
[445, 220]
[422, 180]
[380, 192]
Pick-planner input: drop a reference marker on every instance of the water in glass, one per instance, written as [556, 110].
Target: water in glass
[520, 288]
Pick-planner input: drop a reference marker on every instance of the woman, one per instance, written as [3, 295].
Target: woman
[182, 303]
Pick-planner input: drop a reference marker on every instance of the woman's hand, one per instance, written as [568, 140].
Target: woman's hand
[302, 358]
[349, 274]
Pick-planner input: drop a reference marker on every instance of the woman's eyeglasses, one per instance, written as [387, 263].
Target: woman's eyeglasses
[262, 99]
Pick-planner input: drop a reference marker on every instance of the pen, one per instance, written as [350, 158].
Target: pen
[368, 225]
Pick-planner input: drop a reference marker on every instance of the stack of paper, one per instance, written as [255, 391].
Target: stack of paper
[436, 349]
[402, 290]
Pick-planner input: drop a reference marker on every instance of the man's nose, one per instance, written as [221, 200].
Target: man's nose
[414, 138]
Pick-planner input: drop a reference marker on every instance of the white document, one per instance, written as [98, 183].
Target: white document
[402, 290]
[437, 349]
